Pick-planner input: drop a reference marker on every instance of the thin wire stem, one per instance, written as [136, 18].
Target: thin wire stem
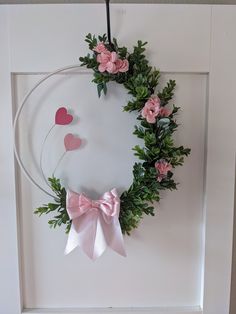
[41, 155]
[58, 163]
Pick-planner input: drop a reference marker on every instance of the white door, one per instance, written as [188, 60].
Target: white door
[179, 261]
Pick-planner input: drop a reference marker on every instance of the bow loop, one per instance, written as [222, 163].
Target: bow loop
[77, 204]
[110, 203]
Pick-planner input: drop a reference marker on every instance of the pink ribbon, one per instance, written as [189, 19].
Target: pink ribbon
[95, 224]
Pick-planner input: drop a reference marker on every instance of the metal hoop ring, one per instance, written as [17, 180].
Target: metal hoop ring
[15, 124]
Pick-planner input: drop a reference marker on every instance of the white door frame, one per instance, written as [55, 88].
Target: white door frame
[217, 58]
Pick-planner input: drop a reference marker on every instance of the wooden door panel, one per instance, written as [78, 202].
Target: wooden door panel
[193, 43]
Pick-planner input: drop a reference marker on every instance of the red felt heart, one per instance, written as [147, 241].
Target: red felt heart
[71, 142]
[62, 117]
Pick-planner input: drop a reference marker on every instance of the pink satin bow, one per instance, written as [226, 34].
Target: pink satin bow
[95, 224]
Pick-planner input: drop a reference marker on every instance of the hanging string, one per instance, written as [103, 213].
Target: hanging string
[108, 22]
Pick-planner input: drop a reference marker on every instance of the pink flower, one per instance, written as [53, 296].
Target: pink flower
[111, 67]
[162, 168]
[151, 109]
[107, 61]
[164, 112]
[100, 48]
[122, 65]
[105, 57]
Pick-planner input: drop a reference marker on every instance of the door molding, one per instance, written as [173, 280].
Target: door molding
[141, 310]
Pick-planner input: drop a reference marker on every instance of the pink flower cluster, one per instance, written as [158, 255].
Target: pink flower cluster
[162, 168]
[152, 109]
[109, 61]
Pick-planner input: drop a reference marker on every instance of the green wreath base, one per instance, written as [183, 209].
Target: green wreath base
[141, 81]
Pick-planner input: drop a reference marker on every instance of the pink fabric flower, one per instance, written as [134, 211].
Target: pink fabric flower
[111, 67]
[162, 168]
[151, 109]
[164, 112]
[104, 57]
[100, 48]
[107, 61]
[122, 65]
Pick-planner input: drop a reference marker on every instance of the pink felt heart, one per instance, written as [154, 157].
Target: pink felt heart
[71, 142]
[62, 117]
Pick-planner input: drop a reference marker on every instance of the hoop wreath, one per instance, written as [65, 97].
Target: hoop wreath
[112, 214]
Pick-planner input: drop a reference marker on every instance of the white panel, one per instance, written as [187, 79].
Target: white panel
[220, 162]
[163, 267]
[9, 282]
[47, 37]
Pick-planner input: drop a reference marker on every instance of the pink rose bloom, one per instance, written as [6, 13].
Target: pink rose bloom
[107, 62]
[151, 109]
[122, 65]
[100, 48]
[111, 67]
[162, 168]
[164, 112]
[104, 57]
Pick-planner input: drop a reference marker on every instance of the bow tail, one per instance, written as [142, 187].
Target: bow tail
[100, 243]
[72, 240]
[87, 233]
[113, 235]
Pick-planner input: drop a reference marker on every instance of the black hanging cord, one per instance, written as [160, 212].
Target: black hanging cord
[108, 22]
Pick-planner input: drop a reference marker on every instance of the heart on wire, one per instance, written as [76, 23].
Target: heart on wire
[62, 116]
[71, 142]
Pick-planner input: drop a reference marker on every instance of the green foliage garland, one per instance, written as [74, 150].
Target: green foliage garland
[141, 81]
